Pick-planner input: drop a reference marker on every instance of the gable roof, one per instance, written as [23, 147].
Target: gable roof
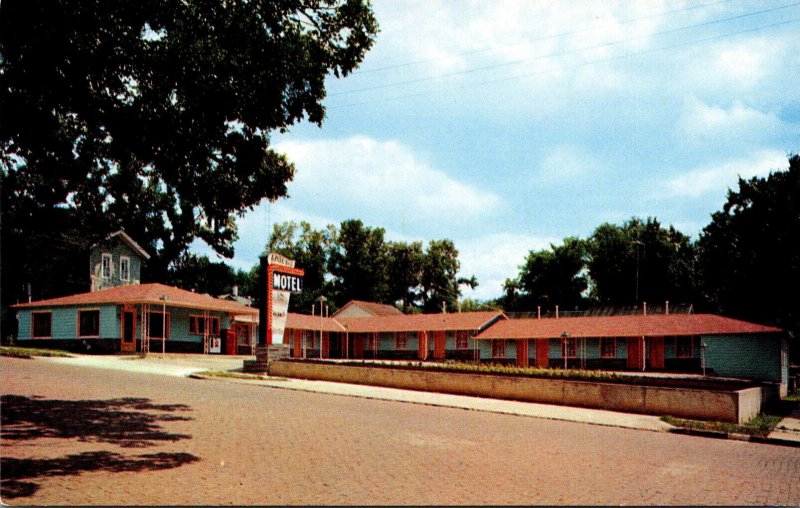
[144, 294]
[622, 326]
[421, 322]
[376, 309]
[129, 242]
[308, 322]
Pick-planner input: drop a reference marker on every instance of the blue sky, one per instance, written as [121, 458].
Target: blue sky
[507, 125]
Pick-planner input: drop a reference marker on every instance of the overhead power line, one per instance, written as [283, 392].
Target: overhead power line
[584, 64]
[561, 53]
[539, 39]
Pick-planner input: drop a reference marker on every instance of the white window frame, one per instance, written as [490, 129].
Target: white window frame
[126, 273]
[103, 265]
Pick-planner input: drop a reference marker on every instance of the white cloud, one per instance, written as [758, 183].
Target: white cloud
[716, 178]
[375, 180]
[494, 258]
[566, 162]
[701, 123]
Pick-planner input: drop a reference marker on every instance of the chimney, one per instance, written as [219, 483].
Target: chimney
[235, 290]
[644, 308]
[556, 311]
[538, 312]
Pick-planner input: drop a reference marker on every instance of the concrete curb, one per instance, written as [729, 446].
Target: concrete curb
[673, 430]
[735, 437]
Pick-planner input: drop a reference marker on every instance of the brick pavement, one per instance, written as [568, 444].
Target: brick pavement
[108, 437]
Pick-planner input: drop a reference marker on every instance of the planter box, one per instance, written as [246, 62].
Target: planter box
[734, 405]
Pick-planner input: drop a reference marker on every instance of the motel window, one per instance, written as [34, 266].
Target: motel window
[106, 264]
[155, 327]
[125, 268]
[197, 325]
[310, 339]
[401, 341]
[88, 323]
[462, 339]
[608, 347]
[570, 348]
[243, 334]
[41, 325]
[498, 349]
[684, 347]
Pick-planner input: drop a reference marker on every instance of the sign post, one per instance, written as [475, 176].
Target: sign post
[282, 279]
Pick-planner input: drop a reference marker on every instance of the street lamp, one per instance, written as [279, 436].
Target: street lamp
[163, 298]
[564, 336]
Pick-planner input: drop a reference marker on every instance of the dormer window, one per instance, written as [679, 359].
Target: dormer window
[125, 268]
[106, 265]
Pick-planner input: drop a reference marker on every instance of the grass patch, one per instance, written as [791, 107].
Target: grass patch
[759, 426]
[29, 352]
[237, 375]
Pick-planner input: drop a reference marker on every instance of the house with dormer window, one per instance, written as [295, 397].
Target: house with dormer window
[116, 261]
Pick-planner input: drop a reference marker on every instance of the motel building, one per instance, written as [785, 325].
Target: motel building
[119, 314]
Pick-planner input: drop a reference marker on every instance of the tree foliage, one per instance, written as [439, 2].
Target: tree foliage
[748, 253]
[641, 261]
[355, 262]
[552, 277]
[155, 116]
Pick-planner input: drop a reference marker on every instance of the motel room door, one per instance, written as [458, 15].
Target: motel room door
[438, 345]
[656, 352]
[128, 342]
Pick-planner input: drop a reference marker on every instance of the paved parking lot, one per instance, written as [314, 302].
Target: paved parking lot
[76, 435]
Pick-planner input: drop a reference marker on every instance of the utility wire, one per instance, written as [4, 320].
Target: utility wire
[584, 64]
[562, 53]
[538, 39]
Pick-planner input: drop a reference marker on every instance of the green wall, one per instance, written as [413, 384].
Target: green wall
[755, 356]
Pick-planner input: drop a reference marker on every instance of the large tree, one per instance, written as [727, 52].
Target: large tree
[156, 116]
[550, 277]
[440, 282]
[749, 256]
[358, 264]
[641, 261]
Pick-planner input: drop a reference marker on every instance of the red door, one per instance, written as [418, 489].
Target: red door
[438, 345]
[297, 344]
[358, 346]
[657, 352]
[326, 340]
[128, 342]
[522, 353]
[542, 359]
[230, 341]
[635, 353]
[422, 349]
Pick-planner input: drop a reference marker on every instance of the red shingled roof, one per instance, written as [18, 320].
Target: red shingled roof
[621, 326]
[307, 322]
[145, 293]
[420, 322]
[376, 309]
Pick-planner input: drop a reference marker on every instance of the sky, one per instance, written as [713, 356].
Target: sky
[506, 126]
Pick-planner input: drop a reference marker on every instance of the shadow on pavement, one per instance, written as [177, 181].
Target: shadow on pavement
[15, 470]
[125, 422]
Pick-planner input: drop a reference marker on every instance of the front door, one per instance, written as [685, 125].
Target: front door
[438, 345]
[542, 346]
[635, 353]
[128, 342]
[657, 352]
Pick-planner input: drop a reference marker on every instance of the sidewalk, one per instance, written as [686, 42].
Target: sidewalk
[787, 432]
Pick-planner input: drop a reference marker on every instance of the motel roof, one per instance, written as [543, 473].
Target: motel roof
[308, 322]
[134, 294]
[421, 322]
[376, 309]
[621, 326]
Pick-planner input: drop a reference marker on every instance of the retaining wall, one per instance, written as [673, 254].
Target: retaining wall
[721, 405]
